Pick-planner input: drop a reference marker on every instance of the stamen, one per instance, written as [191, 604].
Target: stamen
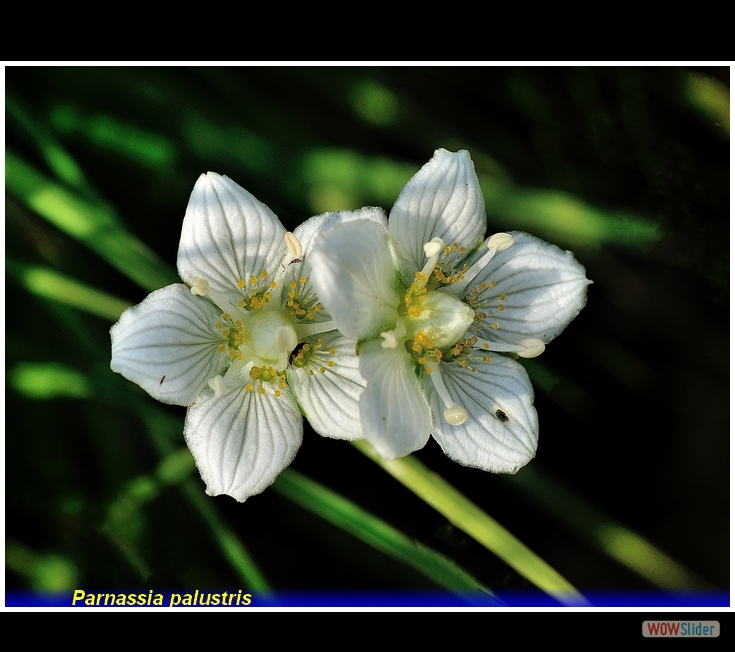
[454, 415]
[306, 330]
[533, 348]
[432, 249]
[218, 385]
[391, 338]
[528, 348]
[496, 243]
[201, 288]
[293, 244]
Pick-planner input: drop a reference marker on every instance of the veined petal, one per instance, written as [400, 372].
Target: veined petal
[228, 236]
[540, 287]
[501, 432]
[168, 344]
[396, 418]
[329, 395]
[443, 199]
[307, 233]
[242, 440]
[353, 272]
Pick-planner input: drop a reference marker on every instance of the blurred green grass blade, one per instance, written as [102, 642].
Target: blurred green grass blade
[56, 157]
[604, 533]
[46, 380]
[710, 97]
[93, 224]
[47, 283]
[49, 572]
[564, 219]
[471, 519]
[349, 517]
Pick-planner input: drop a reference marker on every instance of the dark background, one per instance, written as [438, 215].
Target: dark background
[626, 166]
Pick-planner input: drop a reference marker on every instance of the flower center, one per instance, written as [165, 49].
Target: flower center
[263, 330]
[433, 323]
[269, 338]
[441, 317]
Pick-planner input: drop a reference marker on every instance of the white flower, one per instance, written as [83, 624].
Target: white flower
[244, 344]
[434, 310]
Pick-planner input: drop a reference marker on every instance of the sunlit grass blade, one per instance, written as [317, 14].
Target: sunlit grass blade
[349, 517]
[91, 223]
[469, 518]
[50, 284]
[56, 157]
[604, 533]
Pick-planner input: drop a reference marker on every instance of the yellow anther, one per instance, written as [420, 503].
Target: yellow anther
[218, 325]
[332, 351]
[249, 387]
[264, 274]
[222, 348]
[302, 280]
[322, 370]
[272, 285]
[240, 283]
[501, 297]
[261, 390]
[253, 280]
[501, 307]
[320, 341]
[277, 393]
[330, 363]
[495, 325]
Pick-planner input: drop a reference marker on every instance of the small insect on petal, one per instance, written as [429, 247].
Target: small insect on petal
[502, 416]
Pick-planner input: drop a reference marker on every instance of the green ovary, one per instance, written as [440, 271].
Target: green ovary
[269, 338]
[442, 317]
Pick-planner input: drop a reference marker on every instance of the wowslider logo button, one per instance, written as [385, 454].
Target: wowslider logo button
[681, 628]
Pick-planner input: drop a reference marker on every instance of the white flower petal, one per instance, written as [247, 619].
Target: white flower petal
[501, 432]
[443, 199]
[395, 415]
[228, 235]
[544, 288]
[330, 399]
[307, 233]
[168, 344]
[242, 440]
[353, 272]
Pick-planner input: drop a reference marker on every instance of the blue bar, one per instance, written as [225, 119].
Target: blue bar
[241, 598]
